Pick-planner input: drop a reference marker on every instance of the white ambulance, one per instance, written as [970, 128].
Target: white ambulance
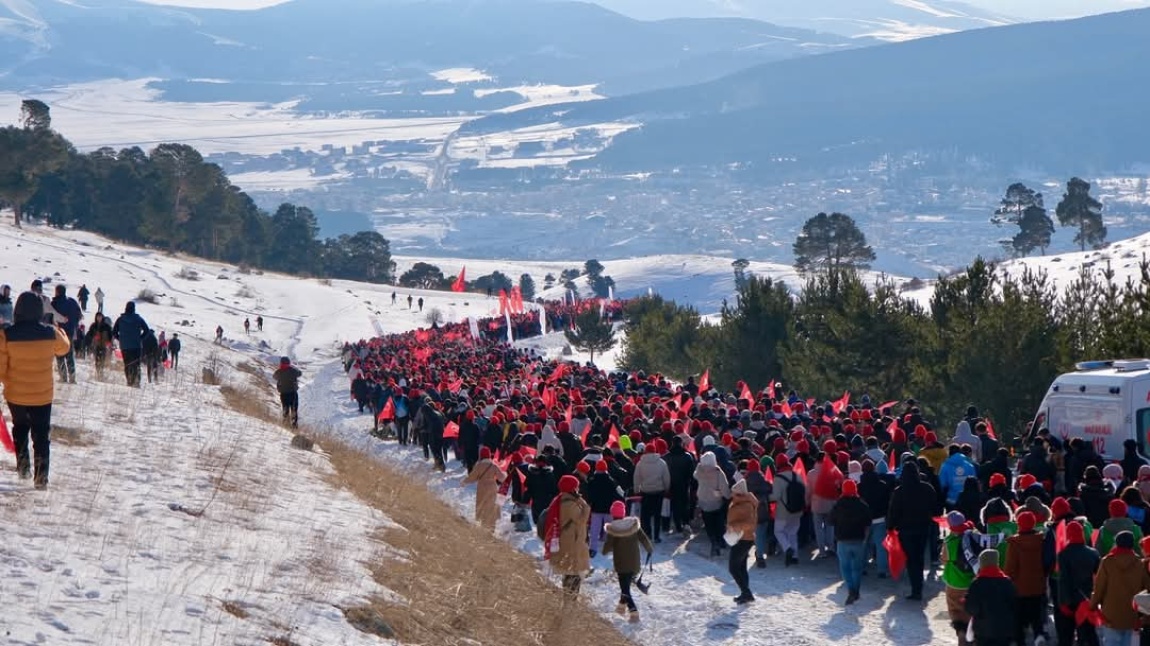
[1104, 402]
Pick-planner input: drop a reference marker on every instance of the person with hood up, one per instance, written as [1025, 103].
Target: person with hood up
[70, 310]
[1081, 457]
[550, 438]
[990, 603]
[1037, 463]
[27, 350]
[957, 570]
[713, 493]
[964, 435]
[542, 485]
[1096, 495]
[1117, 523]
[1121, 575]
[971, 501]
[1025, 569]
[821, 498]
[624, 538]
[787, 521]
[1077, 564]
[913, 506]
[742, 518]
[652, 481]
[287, 384]
[760, 488]
[129, 330]
[469, 440]
[565, 534]
[954, 473]
[851, 518]
[100, 300]
[1113, 476]
[681, 467]
[601, 491]
[487, 477]
[875, 490]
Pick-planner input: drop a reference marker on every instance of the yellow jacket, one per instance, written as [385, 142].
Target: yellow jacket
[27, 350]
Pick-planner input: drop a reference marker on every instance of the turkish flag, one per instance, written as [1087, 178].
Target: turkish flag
[460, 283]
[746, 394]
[388, 412]
[841, 403]
[451, 431]
[705, 381]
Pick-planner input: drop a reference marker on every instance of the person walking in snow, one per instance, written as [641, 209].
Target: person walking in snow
[652, 481]
[219, 334]
[624, 538]
[83, 295]
[51, 316]
[247, 326]
[5, 306]
[787, 516]
[70, 310]
[287, 383]
[565, 535]
[851, 518]
[99, 300]
[420, 302]
[742, 518]
[487, 477]
[129, 330]
[99, 339]
[393, 298]
[27, 348]
[174, 350]
[713, 493]
[990, 603]
[409, 301]
[150, 347]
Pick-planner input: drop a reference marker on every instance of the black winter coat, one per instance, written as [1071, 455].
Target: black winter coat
[682, 467]
[601, 491]
[990, 601]
[1077, 565]
[542, 485]
[914, 504]
[851, 517]
[572, 449]
[1096, 499]
[875, 492]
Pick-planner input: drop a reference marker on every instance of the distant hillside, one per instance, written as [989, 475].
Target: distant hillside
[1067, 96]
[371, 48]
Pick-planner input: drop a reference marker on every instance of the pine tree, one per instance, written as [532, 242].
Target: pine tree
[527, 287]
[830, 242]
[740, 268]
[549, 281]
[423, 275]
[1023, 207]
[591, 334]
[1080, 210]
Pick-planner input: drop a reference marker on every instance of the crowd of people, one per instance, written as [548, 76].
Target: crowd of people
[610, 463]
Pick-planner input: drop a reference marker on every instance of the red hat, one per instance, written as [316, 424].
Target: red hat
[484, 453]
[930, 437]
[618, 510]
[727, 439]
[830, 447]
[564, 427]
[898, 436]
[779, 444]
[855, 416]
[866, 415]
[660, 445]
[1025, 480]
[601, 466]
[867, 430]
[1117, 509]
[636, 436]
[802, 446]
[1059, 508]
[1026, 521]
[997, 479]
[569, 484]
[665, 427]
[754, 467]
[920, 431]
[782, 462]
[776, 408]
[583, 467]
[470, 415]
[649, 448]
[796, 436]
[1074, 533]
[850, 489]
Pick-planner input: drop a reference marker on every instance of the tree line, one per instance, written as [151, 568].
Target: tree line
[425, 275]
[984, 338]
[170, 198]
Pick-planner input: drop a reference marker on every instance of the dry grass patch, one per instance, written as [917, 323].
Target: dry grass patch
[247, 400]
[70, 436]
[236, 610]
[455, 573]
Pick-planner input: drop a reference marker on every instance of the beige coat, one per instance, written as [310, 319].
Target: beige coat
[573, 556]
[487, 476]
[743, 515]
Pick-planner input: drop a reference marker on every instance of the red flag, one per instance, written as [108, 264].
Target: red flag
[569, 414]
[786, 408]
[503, 304]
[548, 398]
[460, 283]
[613, 436]
[388, 411]
[800, 468]
[705, 381]
[1060, 540]
[841, 403]
[893, 465]
[990, 429]
[685, 407]
[771, 389]
[887, 405]
[6, 437]
[451, 431]
[746, 394]
[455, 386]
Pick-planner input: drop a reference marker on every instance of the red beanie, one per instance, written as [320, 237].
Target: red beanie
[803, 447]
[618, 510]
[1025, 480]
[898, 436]
[649, 448]
[1059, 508]
[850, 489]
[470, 415]
[753, 466]
[727, 439]
[1026, 521]
[569, 484]
[930, 437]
[601, 466]
[997, 479]
[564, 427]
[855, 416]
[782, 462]
[830, 447]
[1117, 509]
[665, 427]
[660, 445]
[920, 431]
[867, 430]
[776, 408]
[780, 444]
[796, 436]
[484, 453]
[636, 436]
[1074, 533]
[583, 467]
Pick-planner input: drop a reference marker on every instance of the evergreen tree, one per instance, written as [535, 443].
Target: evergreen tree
[593, 268]
[293, 248]
[830, 242]
[752, 332]
[549, 281]
[740, 268]
[1080, 210]
[567, 278]
[28, 155]
[493, 282]
[591, 334]
[527, 287]
[601, 285]
[1035, 231]
[423, 275]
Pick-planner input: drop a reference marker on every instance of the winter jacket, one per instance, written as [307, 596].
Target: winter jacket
[970, 502]
[875, 491]
[963, 435]
[956, 569]
[27, 349]
[542, 485]
[1077, 462]
[601, 492]
[742, 515]
[760, 488]
[573, 556]
[1024, 564]
[100, 335]
[174, 346]
[1104, 537]
[783, 482]
[578, 426]
[287, 379]
[550, 439]
[914, 504]
[572, 449]
[1037, 463]
[990, 602]
[1076, 567]
[129, 331]
[1121, 575]
[851, 517]
[624, 537]
[487, 476]
[935, 456]
[713, 486]
[1096, 499]
[70, 309]
[681, 467]
[1131, 462]
[651, 475]
[953, 476]
[150, 346]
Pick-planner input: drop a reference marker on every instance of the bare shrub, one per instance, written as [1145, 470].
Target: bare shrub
[434, 316]
[148, 296]
[187, 273]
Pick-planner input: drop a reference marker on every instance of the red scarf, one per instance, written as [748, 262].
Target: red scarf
[1119, 550]
[991, 572]
[551, 528]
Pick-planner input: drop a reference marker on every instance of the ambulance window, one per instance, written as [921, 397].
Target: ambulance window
[1144, 431]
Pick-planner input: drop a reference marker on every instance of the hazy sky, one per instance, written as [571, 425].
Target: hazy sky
[1022, 8]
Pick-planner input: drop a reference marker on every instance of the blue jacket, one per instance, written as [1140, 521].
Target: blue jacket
[70, 308]
[953, 474]
[130, 329]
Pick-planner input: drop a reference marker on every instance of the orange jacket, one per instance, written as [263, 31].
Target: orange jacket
[26, 366]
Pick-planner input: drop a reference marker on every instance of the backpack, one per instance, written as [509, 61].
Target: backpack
[795, 498]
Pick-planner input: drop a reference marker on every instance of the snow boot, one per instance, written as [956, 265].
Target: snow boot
[621, 609]
[852, 597]
[633, 616]
[760, 563]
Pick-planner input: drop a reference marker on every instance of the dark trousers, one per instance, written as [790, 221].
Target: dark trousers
[131, 365]
[175, 359]
[650, 514]
[37, 422]
[625, 590]
[290, 404]
[737, 565]
[713, 522]
[66, 365]
[1029, 612]
[438, 450]
[1066, 629]
[401, 430]
[681, 508]
[914, 541]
